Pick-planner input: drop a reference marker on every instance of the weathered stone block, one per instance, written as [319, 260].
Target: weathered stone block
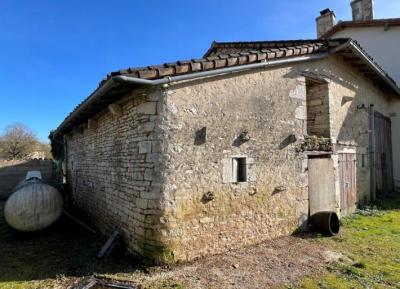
[146, 127]
[141, 203]
[144, 147]
[156, 146]
[147, 108]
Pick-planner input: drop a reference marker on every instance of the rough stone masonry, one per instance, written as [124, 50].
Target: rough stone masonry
[203, 166]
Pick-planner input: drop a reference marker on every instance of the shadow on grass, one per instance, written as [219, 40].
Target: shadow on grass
[389, 202]
[63, 250]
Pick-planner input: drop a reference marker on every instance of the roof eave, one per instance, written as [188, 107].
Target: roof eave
[360, 24]
[115, 81]
[366, 59]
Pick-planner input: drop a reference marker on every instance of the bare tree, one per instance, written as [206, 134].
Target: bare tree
[17, 142]
[45, 149]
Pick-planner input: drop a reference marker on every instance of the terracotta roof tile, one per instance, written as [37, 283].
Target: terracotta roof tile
[229, 54]
[220, 55]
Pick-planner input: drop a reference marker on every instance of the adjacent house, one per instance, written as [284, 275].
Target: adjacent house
[380, 38]
[196, 157]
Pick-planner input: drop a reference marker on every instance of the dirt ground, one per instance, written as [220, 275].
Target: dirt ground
[65, 253]
[274, 263]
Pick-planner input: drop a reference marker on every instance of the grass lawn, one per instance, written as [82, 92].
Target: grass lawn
[372, 241]
[55, 258]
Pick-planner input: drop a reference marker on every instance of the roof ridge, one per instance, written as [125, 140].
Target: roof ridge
[286, 49]
[224, 60]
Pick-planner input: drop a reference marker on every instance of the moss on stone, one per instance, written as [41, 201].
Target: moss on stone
[316, 143]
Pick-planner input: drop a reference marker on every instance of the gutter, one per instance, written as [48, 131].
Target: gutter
[120, 79]
[360, 53]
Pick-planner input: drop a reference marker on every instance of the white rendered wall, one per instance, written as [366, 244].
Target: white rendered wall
[383, 45]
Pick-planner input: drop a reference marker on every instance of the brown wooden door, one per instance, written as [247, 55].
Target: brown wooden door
[348, 182]
[383, 155]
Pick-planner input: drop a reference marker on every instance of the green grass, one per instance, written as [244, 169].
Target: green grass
[372, 242]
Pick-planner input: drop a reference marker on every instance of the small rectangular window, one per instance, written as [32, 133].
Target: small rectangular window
[239, 170]
[363, 165]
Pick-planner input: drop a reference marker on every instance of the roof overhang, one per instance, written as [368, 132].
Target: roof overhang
[387, 23]
[119, 84]
[353, 54]
[115, 87]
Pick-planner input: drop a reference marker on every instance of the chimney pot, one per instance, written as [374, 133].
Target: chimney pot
[326, 11]
[362, 10]
[325, 21]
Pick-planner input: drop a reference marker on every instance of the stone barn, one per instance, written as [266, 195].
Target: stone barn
[196, 157]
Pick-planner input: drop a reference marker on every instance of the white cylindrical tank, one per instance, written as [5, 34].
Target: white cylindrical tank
[33, 207]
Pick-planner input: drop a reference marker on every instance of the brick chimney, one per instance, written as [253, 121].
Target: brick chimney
[362, 10]
[325, 21]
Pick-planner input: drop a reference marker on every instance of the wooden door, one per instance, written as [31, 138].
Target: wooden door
[348, 182]
[321, 185]
[383, 155]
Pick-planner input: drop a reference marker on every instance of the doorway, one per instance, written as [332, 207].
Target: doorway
[383, 155]
[348, 182]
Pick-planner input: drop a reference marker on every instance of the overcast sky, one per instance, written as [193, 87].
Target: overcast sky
[54, 53]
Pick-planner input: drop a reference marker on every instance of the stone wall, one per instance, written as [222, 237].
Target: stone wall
[12, 172]
[271, 107]
[318, 110]
[168, 171]
[114, 171]
[208, 120]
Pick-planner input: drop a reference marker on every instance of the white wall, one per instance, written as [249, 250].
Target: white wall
[383, 46]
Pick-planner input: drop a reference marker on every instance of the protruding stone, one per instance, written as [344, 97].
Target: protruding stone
[147, 108]
[144, 147]
[115, 109]
[92, 123]
[146, 127]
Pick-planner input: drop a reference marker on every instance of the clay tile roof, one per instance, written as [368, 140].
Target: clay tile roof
[221, 55]
[229, 54]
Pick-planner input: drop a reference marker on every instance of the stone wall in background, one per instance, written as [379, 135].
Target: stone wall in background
[114, 171]
[12, 172]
